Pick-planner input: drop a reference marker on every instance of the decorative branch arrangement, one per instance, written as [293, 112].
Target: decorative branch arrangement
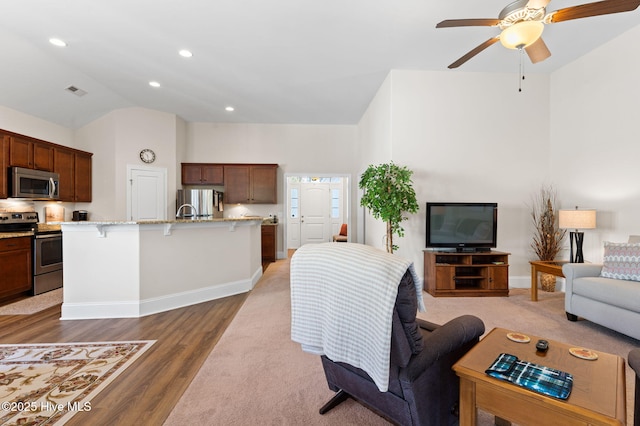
[547, 238]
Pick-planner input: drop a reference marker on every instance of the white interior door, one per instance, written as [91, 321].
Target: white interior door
[315, 207]
[147, 191]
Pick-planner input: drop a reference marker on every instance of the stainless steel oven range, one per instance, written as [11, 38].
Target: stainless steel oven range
[46, 245]
[47, 261]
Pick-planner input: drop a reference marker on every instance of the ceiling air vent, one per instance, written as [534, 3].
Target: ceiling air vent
[76, 91]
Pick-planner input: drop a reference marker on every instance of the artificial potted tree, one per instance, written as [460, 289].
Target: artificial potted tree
[388, 194]
[547, 237]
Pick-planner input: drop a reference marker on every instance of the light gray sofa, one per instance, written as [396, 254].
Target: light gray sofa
[613, 303]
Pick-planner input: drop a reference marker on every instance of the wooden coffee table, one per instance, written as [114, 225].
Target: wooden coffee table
[547, 266]
[598, 396]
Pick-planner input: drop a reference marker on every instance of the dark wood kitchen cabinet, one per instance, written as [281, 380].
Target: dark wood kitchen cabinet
[4, 163]
[30, 154]
[269, 243]
[202, 174]
[74, 168]
[73, 165]
[83, 176]
[15, 266]
[250, 183]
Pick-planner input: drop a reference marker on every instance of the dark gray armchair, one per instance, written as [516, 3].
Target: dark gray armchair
[634, 362]
[423, 390]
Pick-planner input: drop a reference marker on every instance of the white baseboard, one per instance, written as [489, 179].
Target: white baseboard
[135, 309]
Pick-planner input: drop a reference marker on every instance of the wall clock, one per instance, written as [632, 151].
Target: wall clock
[148, 156]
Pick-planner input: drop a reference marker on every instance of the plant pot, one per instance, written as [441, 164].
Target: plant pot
[548, 282]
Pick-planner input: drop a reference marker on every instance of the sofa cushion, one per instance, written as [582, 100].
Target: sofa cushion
[620, 293]
[621, 261]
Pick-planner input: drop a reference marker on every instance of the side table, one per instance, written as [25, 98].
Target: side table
[598, 396]
[546, 266]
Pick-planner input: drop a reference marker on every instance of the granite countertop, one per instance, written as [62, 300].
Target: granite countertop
[161, 222]
[4, 235]
[48, 227]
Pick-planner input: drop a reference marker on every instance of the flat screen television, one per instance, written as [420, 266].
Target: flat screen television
[462, 226]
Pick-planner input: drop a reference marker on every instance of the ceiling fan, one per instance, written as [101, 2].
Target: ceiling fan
[522, 22]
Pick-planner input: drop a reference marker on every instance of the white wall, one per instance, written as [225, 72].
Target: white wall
[595, 139]
[295, 148]
[374, 147]
[469, 137]
[99, 137]
[18, 122]
[116, 140]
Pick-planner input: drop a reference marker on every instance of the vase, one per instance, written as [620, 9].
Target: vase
[548, 282]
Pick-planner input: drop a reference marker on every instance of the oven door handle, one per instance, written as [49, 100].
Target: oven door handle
[42, 236]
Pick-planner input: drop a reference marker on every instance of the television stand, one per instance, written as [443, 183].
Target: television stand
[448, 273]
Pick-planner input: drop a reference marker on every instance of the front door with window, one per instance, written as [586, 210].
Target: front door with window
[316, 209]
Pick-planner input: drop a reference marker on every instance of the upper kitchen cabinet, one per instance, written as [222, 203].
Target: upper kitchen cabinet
[73, 165]
[250, 183]
[30, 154]
[63, 162]
[4, 163]
[74, 168]
[82, 181]
[202, 174]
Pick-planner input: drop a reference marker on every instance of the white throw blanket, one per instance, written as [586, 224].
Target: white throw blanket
[342, 300]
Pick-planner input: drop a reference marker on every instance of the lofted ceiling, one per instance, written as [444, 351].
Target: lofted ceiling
[277, 61]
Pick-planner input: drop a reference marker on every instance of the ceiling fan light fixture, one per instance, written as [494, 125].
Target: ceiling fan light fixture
[521, 34]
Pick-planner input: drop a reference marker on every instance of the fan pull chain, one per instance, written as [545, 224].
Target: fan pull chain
[521, 76]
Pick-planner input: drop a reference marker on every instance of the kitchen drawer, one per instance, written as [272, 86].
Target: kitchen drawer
[17, 243]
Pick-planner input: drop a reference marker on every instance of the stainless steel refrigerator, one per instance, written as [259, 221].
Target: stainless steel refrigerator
[199, 203]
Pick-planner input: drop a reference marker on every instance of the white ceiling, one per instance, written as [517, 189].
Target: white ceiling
[276, 61]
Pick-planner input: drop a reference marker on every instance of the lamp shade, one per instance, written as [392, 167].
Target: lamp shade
[577, 219]
[521, 34]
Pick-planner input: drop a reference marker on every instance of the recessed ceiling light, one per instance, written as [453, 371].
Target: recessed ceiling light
[185, 53]
[229, 109]
[154, 84]
[57, 42]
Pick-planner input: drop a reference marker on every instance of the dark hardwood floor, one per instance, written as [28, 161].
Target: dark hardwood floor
[146, 392]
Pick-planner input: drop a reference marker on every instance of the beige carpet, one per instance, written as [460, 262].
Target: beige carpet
[47, 383]
[34, 304]
[257, 375]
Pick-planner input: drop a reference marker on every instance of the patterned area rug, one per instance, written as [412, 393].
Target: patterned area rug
[48, 383]
[34, 304]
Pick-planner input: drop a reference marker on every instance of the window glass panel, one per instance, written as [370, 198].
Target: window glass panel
[335, 203]
[293, 204]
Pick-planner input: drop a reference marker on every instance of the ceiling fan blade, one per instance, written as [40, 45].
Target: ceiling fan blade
[593, 9]
[473, 52]
[537, 4]
[538, 51]
[447, 23]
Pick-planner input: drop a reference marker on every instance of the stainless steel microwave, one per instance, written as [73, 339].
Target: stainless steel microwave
[34, 184]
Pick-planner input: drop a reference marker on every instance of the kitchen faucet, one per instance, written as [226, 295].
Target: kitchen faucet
[194, 211]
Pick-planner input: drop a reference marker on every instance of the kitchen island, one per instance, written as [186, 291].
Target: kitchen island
[126, 269]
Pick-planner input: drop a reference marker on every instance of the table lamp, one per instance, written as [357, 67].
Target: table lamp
[577, 219]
